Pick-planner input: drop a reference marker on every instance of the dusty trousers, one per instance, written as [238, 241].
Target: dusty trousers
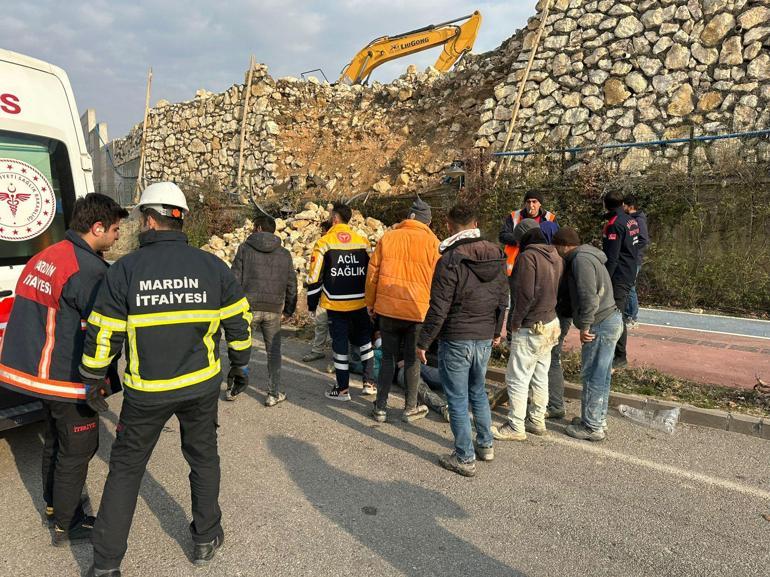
[137, 433]
[71, 440]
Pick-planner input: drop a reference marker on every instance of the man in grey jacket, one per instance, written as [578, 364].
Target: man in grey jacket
[266, 272]
[600, 324]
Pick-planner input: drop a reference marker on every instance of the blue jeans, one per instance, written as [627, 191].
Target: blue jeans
[596, 372]
[463, 366]
[632, 307]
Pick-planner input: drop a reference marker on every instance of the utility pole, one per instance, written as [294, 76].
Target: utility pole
[140, 174]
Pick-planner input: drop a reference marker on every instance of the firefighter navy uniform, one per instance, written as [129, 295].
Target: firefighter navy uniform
[337, 281]
[168, 302]
[40, 356]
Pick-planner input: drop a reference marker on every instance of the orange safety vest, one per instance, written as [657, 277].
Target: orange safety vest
[512, 250]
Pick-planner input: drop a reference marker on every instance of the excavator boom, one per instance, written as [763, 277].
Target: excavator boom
[456, 40]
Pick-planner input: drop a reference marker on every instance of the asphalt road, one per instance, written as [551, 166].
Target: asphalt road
[738, 326]
[313, 487]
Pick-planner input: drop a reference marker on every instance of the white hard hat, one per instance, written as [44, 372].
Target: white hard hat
[164, 197]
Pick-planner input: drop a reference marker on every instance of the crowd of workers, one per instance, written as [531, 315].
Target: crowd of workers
[167, 303]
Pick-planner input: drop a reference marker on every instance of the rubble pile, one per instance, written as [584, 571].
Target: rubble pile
[298, 234]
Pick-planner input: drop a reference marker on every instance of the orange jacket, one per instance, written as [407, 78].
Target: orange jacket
[401, 270]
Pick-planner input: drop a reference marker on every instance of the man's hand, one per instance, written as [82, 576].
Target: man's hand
[586, 336]
[237, 380]
[371, 312]
[497, 340]
[311, 314]
[421, 356]
[96, 390]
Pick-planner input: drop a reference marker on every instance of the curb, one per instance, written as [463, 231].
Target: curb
[711, 418]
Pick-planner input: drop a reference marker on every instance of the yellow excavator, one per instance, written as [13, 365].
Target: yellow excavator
[456, 39]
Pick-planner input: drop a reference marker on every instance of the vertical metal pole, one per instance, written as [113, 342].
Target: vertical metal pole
[691, 150]
[140, 174]
[246, 97]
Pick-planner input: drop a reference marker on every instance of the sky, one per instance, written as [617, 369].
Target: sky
[107, 46]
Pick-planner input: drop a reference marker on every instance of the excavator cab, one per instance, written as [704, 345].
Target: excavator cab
[456, 39]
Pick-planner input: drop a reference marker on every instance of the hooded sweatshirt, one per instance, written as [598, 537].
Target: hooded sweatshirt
[535, 282]
[266, 272]
[590, 286]
[468, 295]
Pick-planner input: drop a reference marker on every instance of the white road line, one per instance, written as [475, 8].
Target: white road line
[745, 336]
[675, 312]
[662, 468]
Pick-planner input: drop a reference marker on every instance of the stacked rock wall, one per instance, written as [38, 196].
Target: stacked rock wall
[606, 71]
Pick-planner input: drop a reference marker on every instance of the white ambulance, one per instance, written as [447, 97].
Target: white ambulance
[44, 167]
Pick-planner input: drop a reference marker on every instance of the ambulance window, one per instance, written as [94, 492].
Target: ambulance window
[36, 195]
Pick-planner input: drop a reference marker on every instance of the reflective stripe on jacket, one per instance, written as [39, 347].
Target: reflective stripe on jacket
[170, 301]
[337, 276]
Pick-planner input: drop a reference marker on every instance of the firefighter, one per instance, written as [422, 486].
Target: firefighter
[42, 348]
[169, 301]
[337, 279]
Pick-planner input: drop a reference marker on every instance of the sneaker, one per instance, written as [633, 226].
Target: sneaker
[555, 413]
[531, 427]
[411, 415]
[578, 422]
[631, 324]
[78, 533]
[619, 363]
[80, 512]
[49, 515]
[228, 395]
[273, 400]
[584, 433]
[507, 433]
[484, 453]
[445, 413]
[337, 394]
[369, 389]
[204, 552]
[313, 356]
[379, 415]
[94, 572]
[452, 463]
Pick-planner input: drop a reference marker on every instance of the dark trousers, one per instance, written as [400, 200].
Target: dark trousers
[621, 292]
[269, 324]
[396, 335]
[71, 440]
[352, 327]
[555, 371]
[137, 433]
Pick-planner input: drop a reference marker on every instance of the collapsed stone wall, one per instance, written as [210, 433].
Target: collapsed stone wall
[605, 71]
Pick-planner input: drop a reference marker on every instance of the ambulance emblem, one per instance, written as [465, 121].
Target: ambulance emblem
[27, 201]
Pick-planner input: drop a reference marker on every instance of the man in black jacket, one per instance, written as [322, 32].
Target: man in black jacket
[169, 302]
[41, 353]
[468, 299]
[631, 208]
[620, 243]
[266, 272]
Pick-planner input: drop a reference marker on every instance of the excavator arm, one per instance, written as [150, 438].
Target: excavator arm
[456, 39]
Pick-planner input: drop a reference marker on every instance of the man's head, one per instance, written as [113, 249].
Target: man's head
[630, 203]
[264, 223]
[461, 217]
[523, 228]
[566, 240]
[613, 199]
[163, 206]
[341, 213]
[96, 218]
[420, 211]
[533, 200]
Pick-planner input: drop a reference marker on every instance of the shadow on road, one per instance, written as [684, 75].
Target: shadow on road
[399, 522]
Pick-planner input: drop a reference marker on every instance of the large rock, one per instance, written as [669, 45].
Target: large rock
[382, 186]
[754, 17]
[678, 57]
[636, 82]
[717, 28]
[628, 26]
[732, 51]
[681, 102]
[615, 92]
[637, 160]
[759, 68]
[705, 55]
[709, 101]
[575, 116]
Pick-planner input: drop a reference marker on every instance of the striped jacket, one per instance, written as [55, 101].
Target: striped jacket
[337, 276]
[170, 302]
[44, 337]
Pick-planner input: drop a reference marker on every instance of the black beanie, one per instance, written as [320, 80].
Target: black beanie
[533, 194]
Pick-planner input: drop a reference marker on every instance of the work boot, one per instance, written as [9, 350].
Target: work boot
[452, 463]
[379, 415]
[413, 414]
[584, 433]
[77, 533]
[273, 399]
[531, 427]
[578, 422]
[619, 363]
[484, 453]
[94, 572]
[507, 433]
[204, 552]
[313, 356]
